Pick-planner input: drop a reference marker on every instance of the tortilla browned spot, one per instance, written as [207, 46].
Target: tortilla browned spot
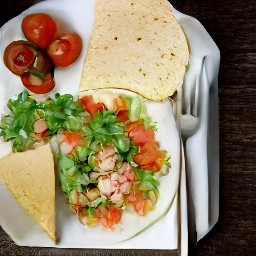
[136, 45]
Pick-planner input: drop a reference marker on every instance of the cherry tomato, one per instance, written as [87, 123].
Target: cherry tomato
[39, 28]
[38, 83]
[21, 56]
[65, 50]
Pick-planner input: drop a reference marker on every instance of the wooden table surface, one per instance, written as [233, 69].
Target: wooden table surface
[232, 25]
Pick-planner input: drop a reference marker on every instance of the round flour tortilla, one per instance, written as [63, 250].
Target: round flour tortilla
[138, 46]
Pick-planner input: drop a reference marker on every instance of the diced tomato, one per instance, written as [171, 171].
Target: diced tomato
[150, 157]
[134, 198]
[139, 134]
[73, 138]
[140, 204]
[122, 116]
[90, 106]
[113, 217]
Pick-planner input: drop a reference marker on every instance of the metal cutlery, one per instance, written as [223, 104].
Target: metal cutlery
[189, 121]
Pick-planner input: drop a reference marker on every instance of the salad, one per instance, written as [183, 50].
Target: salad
[107, 157]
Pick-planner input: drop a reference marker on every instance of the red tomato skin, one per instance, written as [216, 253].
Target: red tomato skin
[19, 50]
[46, 86]
[39, 28]
[122, 116]
[65, 50]
[19, 57]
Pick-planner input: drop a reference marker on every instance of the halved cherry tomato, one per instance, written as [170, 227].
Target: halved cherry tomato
[90, 106]
[21, 56]
[113, 217]
[38, 84]
[39, 28]
[73, 138]
[65, 50]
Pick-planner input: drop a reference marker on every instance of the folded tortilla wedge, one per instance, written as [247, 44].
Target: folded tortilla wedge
[30, 177]
[137, 45]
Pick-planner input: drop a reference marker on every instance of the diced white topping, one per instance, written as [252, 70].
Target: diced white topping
[65, 148]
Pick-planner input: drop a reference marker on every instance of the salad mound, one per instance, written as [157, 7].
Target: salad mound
[106, 152]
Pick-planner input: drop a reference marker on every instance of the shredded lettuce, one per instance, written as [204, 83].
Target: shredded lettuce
[105, 130]
[72, 175]
[147, 181]
[61, 112]
[137, 111]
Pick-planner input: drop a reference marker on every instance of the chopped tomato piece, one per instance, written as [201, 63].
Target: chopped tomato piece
[140, 204]
[134, 198]
[139, 134]
[150, 157]
[122, 116]
[90, 106]
[113, 217]
[73, 138]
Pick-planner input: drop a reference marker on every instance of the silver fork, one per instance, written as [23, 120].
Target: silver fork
[189, 124]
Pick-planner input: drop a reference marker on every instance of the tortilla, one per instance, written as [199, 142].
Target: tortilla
[30, 178]
[136, 45]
